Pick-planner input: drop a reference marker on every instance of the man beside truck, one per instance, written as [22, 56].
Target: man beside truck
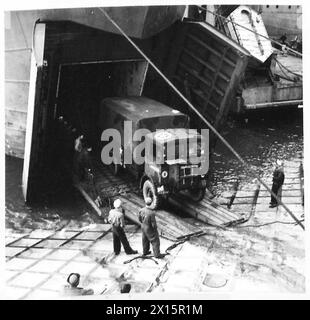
[149, 230]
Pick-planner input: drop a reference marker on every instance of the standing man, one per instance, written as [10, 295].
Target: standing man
[78, 143]
[78, 146]
[116, 218]
[149, 230]
[277, 182]
[82, 158]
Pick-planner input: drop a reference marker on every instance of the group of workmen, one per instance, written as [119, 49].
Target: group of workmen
[116, 217]
[150, 235]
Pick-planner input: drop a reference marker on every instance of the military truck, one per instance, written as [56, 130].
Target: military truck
[159, 176]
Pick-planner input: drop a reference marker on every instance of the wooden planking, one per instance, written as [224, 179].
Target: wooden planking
[193, 72]
[292, 197]
[107, 183]
[200, 60]
[205, 78]
[202, 96]
[169, 218]
[205, 64]
[209, 48]
[207, 211]
[213, 66]
[165, 226]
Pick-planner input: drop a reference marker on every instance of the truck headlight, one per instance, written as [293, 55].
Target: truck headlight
[164, 174]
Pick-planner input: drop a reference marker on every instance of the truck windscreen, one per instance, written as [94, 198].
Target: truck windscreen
[184, 149]
[164, 122]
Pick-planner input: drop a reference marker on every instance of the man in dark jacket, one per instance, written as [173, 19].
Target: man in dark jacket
[82, 157]
[277, 182]
[149, 230]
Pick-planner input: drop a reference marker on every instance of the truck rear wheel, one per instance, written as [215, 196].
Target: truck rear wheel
[149, 191]
[197, 194]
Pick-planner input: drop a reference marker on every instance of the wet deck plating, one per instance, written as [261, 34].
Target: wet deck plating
[228, 260]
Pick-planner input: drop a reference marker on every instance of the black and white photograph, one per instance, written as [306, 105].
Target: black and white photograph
[154, 151]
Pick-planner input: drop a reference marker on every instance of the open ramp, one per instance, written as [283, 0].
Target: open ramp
[207, 211]
[169, 223]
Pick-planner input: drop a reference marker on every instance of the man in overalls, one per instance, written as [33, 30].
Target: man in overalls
[117, 220]
[149, 230]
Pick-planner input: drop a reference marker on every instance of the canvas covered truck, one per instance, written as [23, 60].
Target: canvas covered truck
[162, 173]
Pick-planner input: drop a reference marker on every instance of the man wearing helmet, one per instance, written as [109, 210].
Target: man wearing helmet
[117, 220]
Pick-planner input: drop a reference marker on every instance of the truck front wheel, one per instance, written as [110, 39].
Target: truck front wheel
[197, 194]
[149, 191]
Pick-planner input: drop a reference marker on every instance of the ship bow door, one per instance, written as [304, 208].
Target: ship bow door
[36, 122]
[208, 70]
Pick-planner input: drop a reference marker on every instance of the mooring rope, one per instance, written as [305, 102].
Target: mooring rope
[247, 167]
[281, 65]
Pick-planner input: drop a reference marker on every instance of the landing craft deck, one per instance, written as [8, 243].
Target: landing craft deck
[285, 88]
[292, 194]
[208, 211]
[260, 259]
